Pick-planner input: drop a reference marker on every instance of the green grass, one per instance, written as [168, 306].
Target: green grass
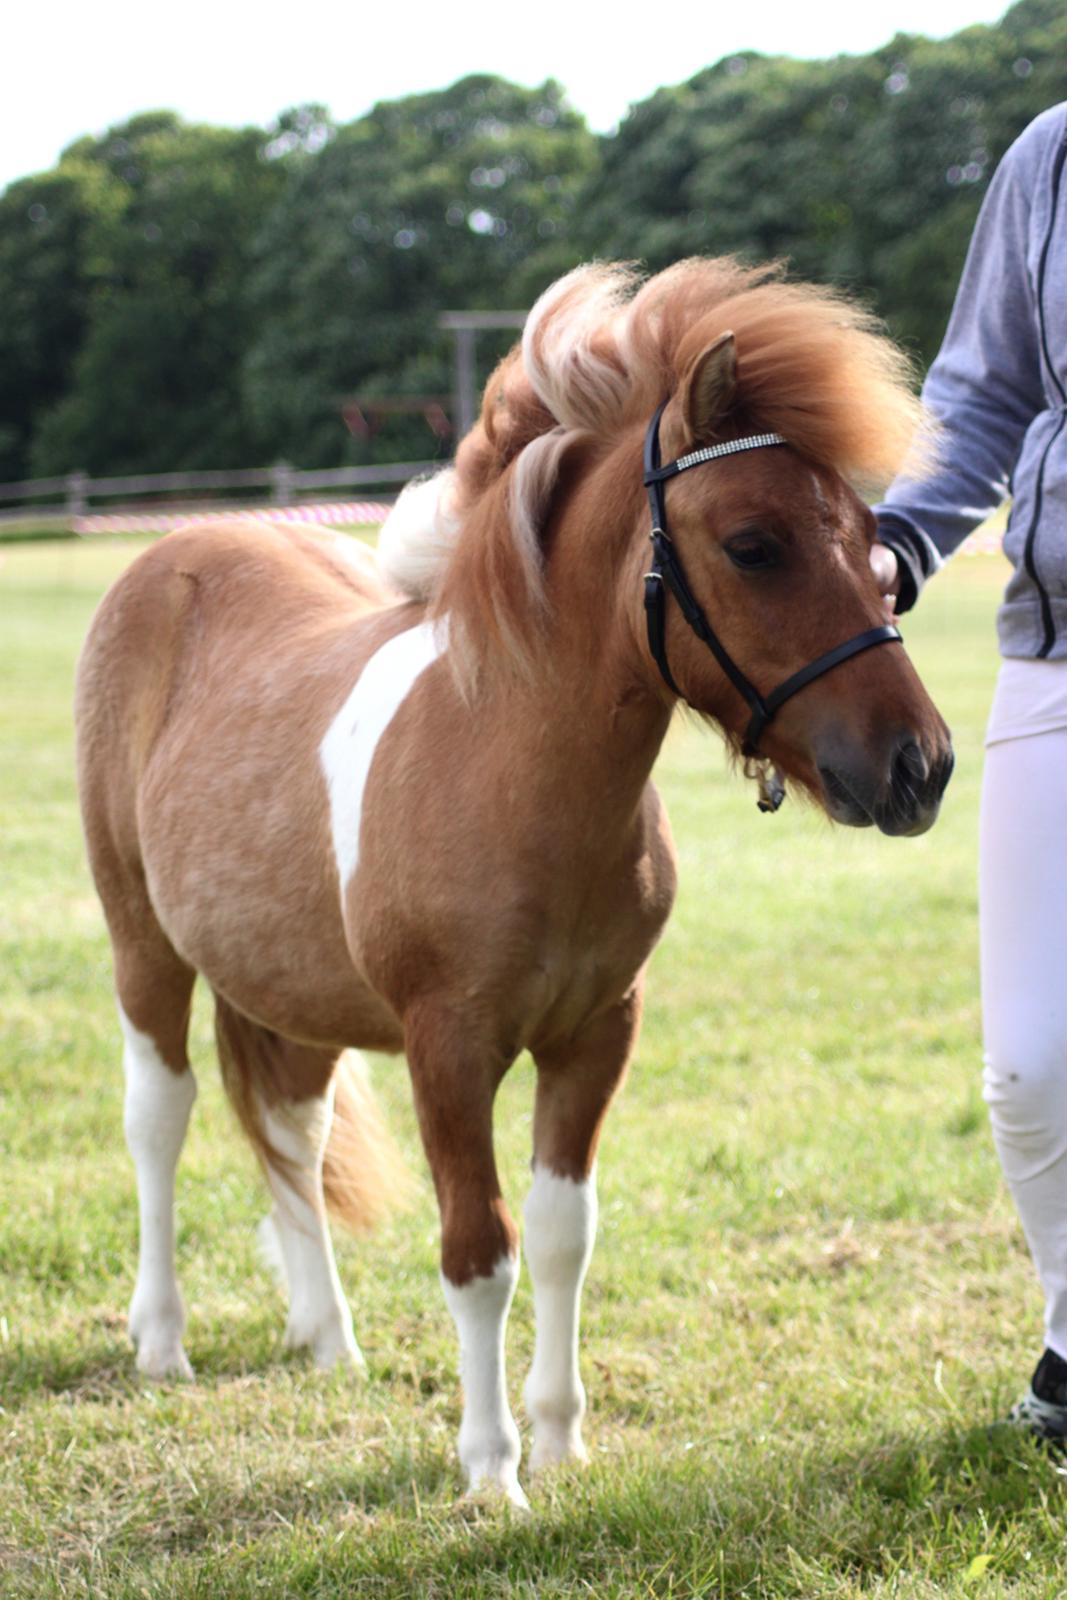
[808, 1301]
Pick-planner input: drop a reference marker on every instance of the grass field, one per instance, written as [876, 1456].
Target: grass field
[809, 1297]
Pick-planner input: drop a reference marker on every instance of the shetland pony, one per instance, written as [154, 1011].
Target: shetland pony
[409, 808]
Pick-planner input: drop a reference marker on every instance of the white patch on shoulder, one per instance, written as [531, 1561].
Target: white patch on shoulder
[348, 749]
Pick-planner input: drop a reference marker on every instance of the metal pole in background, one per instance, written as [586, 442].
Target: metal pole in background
[464, 400]
[465, 325]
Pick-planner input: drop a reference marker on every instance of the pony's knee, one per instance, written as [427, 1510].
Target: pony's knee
[478, 1240]
[560, 1219]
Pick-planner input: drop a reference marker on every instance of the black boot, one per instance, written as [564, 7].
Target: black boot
[1043, 1409]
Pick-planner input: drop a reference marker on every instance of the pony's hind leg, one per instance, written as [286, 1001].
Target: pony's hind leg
[454, 1086]
[296, 1236]
[575, 1086]
[284, 1094]
[154, 991]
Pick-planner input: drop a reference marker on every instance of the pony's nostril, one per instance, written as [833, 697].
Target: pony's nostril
[907, 778]
[910, 770]
[943, 772]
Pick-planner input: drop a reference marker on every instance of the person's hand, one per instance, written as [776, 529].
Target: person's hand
[887, 576]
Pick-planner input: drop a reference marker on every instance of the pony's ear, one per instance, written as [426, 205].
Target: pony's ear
[708, 388]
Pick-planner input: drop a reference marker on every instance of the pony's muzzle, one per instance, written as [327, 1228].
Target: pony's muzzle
[901, 795]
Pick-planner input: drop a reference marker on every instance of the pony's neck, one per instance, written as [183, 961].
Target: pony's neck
[594, 712]
[596, 559]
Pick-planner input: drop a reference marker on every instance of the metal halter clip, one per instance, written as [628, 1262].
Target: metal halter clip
[771, 787]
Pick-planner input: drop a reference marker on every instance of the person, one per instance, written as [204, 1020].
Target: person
[999, 389]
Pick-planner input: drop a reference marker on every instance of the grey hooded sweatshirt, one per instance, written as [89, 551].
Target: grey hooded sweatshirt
[999, 388]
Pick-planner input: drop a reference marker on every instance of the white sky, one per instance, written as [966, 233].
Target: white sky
[74, 68]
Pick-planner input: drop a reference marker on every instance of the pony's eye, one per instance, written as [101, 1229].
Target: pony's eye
[751, 555]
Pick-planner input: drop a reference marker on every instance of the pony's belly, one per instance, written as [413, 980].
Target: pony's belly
[301, 986]
[265, 930]
[336, 1015]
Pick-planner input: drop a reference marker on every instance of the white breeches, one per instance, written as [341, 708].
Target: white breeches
[1023, 897]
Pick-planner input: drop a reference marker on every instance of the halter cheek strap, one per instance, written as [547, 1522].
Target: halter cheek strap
[667, 573]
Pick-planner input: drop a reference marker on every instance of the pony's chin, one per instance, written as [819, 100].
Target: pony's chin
[843, 806]
[907, 828]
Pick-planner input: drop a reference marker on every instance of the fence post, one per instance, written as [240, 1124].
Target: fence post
[77, 494]
[281, 477]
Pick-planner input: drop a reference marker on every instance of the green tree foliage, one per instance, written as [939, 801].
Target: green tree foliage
[863, 170]
[175, 295]
[428, 203]
[156, 382]
[48, 265]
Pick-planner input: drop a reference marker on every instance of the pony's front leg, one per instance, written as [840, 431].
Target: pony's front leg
[454, 1088]
[575, 1086]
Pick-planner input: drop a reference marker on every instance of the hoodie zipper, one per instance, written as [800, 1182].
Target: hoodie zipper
[1029, 560]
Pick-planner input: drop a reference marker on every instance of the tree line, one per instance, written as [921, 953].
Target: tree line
[177, 296]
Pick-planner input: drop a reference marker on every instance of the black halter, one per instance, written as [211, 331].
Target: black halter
[667, 573]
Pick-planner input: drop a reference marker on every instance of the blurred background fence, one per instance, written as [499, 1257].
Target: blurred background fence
[153, 502]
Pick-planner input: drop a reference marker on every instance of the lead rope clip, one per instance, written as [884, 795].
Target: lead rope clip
[771, 786]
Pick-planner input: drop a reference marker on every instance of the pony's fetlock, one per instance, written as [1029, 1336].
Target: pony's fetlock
[492, 1466]
[156, 1332]
[556, 1438]
[330, 1340]
[319, 1319]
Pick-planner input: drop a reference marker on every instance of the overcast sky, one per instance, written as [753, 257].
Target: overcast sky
[73, 70]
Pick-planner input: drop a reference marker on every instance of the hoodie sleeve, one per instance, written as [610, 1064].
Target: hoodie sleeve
[984, 387]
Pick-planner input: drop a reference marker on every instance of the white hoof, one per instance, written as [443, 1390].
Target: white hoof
[163, 1358]
[157, 1336]
[489, 1491]
[491, 1462]
[554, 1444]
[332, 1344]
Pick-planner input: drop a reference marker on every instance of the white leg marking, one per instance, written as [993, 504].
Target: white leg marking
[158, 1103]
[348, 748]
[296, 1236]
[489, 1445]
[559, 1229]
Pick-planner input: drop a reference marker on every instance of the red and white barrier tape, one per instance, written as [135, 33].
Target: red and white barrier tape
[332, 514]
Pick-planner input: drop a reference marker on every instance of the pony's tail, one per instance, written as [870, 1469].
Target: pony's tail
[364, 1175]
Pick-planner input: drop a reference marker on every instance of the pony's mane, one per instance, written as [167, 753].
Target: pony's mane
[600, 350]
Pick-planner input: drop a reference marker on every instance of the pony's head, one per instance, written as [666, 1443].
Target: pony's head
[774, 542]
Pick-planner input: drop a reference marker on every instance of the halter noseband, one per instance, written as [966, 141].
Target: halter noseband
[667, 573]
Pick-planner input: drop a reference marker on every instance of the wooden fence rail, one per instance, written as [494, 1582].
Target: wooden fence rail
[35, 498]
